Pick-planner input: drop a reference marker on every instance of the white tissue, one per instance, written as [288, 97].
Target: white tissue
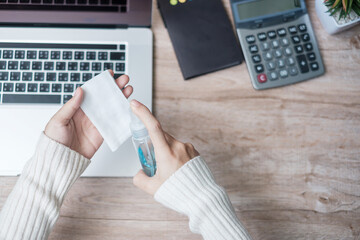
[108, 109]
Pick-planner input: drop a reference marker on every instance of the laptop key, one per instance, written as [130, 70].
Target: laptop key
[32, 87]
[102, 56]
[34, 98]
[93, 2]
[90, 55]
[47, 1]
[20, 87]
[39, 76]
[35, 1]
[70, 1]
[2, 65]
[119, 2]
[60, 66]
[51, 77]
[8, 54]
[19, 54]
[104, 2]
[84, 66]
[4, 76]
[48, 65]
[120, 67]
[72, 66]
[66, 98]
[96, 66]
[8, 87]
[55, 54]
[36, 65]
[108, 66]
[75, 77]
[87, 77]
[24, 65]
[13, 65]
[56, 87]
[63, 77]
[117, 56]
[44, 87]
[27, 76]
[15, 76]
[43, 54]
[68, 88]
[79, 55]
[31, 55]
[59, 1]
[67, 55]
[117, 75]
[24, 1]
[82, 1]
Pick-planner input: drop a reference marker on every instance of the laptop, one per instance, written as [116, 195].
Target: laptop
[48, 48]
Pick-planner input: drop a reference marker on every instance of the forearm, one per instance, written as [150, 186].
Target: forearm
[33, 206]
[193, 192]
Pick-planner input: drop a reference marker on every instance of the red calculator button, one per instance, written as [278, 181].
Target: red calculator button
[262, 78]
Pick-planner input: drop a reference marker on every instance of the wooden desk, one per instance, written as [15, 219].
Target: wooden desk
[289, 157]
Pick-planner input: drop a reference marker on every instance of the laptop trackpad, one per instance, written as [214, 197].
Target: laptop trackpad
[21, 127]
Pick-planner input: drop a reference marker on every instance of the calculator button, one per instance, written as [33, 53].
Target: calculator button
[311, 56]
[259, 68]
[292, 29]
[308, 47]
[304, 68]
[271, 34]
[256, 58]
[253, 48]
[281, 63]
[265, 46]
[275, 44]
[293, 71]
[314, 66]
[270, 65]
[250, 39]
[262, 36]
[305, 37]
[302, 27]
[281, 32]
[290, 61]
[273, 76]
[299, 49]
[287, 51]
[283, 73]
[284, 42]
[277, 53]
[261, 78]
[268, 56]
[295, 39]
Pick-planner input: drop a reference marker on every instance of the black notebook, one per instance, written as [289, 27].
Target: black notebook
[201, 34]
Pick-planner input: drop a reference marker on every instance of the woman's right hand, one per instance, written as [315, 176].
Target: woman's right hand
[170, 153]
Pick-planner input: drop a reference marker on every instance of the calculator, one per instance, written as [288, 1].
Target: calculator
[277, 41]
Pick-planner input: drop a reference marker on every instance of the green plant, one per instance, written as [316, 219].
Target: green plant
[344, 6]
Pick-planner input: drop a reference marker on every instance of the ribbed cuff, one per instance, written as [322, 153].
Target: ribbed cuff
[192, 191]
[33, 206]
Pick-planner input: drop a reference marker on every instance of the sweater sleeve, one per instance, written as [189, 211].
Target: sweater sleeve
[33, 206]
[192, 191]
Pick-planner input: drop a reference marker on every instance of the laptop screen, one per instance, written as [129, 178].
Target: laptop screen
[92, 13]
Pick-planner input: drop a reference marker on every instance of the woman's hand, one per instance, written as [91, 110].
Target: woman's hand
[72, 128]
[170, 154]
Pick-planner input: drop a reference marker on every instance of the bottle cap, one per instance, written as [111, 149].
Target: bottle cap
[138, 129]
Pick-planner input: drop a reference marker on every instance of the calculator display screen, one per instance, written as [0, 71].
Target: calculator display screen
[264, 7]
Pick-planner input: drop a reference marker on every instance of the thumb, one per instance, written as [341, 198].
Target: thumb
[69, 109]
[143, 182]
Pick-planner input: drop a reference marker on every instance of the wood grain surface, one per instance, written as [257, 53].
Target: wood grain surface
[289, 158]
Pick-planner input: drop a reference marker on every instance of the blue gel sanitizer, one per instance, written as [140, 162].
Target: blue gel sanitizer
[143, 146]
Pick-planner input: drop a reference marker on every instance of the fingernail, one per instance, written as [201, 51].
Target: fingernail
[135, 103]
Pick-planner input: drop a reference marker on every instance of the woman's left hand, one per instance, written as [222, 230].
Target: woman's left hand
[72, 128]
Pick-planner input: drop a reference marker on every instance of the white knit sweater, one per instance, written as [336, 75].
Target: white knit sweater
[32, 208]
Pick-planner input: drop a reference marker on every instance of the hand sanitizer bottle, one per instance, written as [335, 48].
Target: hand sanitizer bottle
[143, 145]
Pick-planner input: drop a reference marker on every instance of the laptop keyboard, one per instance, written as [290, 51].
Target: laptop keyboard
[50, 73]
[65, 5]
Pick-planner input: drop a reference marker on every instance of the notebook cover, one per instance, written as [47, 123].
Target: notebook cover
[201, 34]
